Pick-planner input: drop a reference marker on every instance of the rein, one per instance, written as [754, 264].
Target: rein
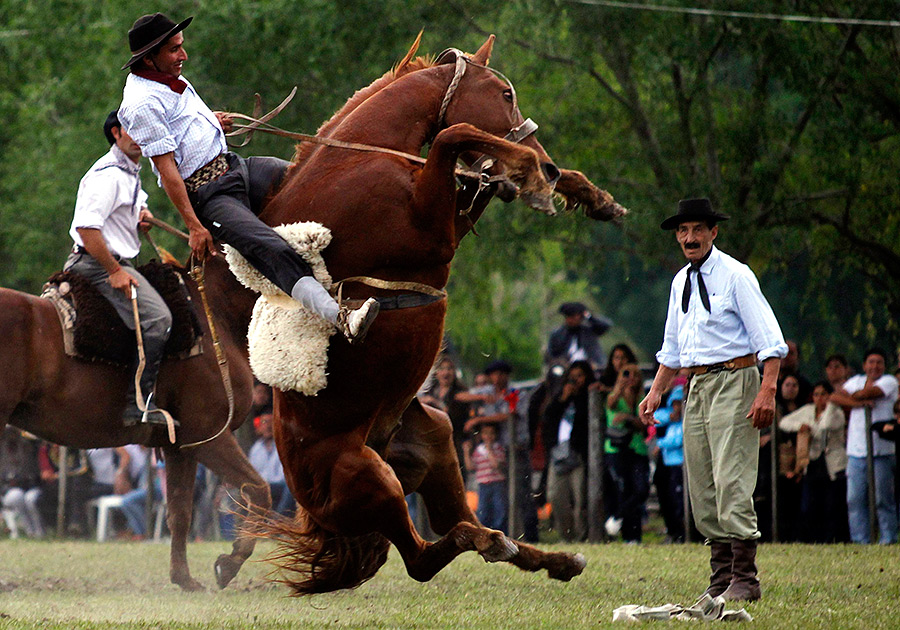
[198, 273]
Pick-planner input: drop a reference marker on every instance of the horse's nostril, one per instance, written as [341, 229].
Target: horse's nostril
[551, 173]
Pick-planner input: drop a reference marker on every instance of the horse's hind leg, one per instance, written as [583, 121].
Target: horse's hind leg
[226, 459]
[366, 496]
[181, 469]
[422, 452]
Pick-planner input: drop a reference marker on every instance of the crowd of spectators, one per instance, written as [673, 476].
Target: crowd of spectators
[816, 450]
[813, 481]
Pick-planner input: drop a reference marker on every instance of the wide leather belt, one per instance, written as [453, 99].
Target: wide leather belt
[739, 363]
[206, 174]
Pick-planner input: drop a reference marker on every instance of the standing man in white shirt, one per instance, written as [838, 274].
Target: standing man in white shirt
[108, 212]
[217, 193]
[876, 390]
[718, 326]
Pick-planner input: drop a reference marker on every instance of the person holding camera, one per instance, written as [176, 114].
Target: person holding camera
[719, 325]
[626, 452]
[565, 435]
[577, 338]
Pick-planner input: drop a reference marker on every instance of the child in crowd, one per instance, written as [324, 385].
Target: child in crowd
[488, 462]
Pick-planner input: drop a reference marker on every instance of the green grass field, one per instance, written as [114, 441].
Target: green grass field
[51, 585]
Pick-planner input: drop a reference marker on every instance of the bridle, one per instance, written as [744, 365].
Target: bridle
[516, 134]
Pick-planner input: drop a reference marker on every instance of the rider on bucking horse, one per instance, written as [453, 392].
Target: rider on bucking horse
[108, 210]
[218, 193]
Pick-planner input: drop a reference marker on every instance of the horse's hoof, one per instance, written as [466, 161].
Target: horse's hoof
[191, 586]
[500, 551]
[571, 567]
[226, 568]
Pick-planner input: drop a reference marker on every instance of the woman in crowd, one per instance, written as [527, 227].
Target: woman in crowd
[626, 454]
[565, 437]
[620, 356]
[820, 464]
[442, 393]
[786, 402]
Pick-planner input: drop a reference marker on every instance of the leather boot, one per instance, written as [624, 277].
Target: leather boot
[720, 561]
[744, 585]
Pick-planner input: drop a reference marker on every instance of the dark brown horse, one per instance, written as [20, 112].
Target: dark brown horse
[353, 451]
[80, 404]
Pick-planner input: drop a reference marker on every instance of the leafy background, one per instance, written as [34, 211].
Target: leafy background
[790, 128]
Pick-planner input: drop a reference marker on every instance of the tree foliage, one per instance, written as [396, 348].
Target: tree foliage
[790, 128]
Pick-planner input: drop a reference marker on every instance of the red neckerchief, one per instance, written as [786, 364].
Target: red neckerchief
[174, 83]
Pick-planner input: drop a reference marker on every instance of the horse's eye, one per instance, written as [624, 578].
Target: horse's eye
[508, 95]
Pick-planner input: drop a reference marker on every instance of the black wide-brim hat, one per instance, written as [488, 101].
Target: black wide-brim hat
[693, 210]
[572, 308]
[149, 31]
[498, 366]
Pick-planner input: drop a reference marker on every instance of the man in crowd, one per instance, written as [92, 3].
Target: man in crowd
[217, 193]
[108, 211]
[264, 458]
[837, 370]
[576, 339]
[877, 391]
[719, 325]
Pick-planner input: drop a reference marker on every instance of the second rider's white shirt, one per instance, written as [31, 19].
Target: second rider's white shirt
[110, 199]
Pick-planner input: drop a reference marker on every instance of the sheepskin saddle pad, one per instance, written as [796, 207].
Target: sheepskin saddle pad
[288, 343]
[93, 330]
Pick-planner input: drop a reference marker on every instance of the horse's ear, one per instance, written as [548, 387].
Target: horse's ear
[412, 51]
[483, 56]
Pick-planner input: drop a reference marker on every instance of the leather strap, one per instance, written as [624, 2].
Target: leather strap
[739, 363]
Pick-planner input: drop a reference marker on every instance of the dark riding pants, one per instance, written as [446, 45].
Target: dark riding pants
[229, 207]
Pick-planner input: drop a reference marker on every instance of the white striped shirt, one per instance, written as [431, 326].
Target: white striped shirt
[740, 320]
[162, 121]
[110, 199]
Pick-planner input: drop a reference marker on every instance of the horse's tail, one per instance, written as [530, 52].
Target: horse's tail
[310, 559]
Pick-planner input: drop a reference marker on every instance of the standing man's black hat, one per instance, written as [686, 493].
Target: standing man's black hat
[149, 31]
[693, 210]
[572, 308]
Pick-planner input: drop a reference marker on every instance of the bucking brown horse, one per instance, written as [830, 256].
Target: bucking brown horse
[352, 452]
[80, 404]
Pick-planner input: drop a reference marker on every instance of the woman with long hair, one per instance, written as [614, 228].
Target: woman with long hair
[626, 452]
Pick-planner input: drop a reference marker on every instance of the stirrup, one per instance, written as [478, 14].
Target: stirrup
[355, 324]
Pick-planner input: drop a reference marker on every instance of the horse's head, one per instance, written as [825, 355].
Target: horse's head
[485, 98]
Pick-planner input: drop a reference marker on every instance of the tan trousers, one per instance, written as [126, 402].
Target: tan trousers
[721, 453]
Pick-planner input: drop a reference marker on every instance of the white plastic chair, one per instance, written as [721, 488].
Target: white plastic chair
[11, 519]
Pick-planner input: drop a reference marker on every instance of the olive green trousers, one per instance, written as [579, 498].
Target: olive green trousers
[721, 453]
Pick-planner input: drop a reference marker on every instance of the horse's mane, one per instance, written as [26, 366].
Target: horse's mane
[405, 66]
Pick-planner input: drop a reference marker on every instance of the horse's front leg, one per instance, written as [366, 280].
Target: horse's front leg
[226, 459]
[422, 452]
[436, 183]
[181, 469]
[579, 191]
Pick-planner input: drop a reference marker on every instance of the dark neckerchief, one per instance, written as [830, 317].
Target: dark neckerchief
[701, 286]
[174, 83]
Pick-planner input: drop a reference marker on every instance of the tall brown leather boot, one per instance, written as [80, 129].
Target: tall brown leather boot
[744, 585]
[720, 560]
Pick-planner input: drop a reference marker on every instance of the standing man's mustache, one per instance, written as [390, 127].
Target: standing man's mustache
[692, 245]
